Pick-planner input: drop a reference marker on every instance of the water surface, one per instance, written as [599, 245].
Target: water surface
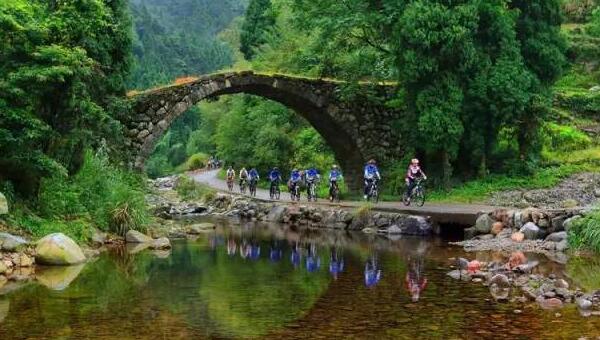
[269, 281]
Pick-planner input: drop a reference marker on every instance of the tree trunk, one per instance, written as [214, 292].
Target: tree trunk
[446, 170]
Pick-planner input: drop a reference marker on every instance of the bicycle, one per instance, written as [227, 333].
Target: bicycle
[243, 186]
[295, 192]
[335, 192]
[312, 190]
[417, 194]
[230, 184]
[373, 191]
[252, 187]
[274, 192]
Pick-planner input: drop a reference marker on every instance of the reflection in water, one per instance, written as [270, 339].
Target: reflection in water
[336, 263]
[204, 290]
[58, 277]
[296, 256]
[313, 261]
[275, 254]
[415, 278]
[372, 271]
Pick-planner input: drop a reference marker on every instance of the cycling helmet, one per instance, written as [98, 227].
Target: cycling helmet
[414, 161]
[294, 170]
[372, 161]
[335, 166]
[275, 168]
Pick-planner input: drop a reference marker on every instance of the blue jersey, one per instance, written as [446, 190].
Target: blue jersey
[334, 175]
[275, 254]
[295, 176]
[274, 175]
[371, 171]
[312, 173]
[253, 174]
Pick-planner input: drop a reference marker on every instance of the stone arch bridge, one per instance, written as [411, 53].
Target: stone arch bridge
[356, 129]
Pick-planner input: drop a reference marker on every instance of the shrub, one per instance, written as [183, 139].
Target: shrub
[189, 189]
[578, 10]
[565, 138]
[585, 232]
[196, 161]
[101, 194]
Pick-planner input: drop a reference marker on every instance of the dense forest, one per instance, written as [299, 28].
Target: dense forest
[496, 92]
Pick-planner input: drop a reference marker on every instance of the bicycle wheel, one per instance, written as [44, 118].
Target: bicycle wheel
[376, 196]
[277, 193]
[336, 195]
[420, 197]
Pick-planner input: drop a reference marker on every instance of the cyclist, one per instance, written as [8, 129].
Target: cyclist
[253, 175]
[243, 175]
[230, 173]
[295, 178]
[312, 176]
[371, 175]
[334, 176]
[230, 177]
[413, 174]
[274, 178]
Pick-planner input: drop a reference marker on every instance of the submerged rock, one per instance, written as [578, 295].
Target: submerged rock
[58, 249]
[276, 213]
[200, 228]
[134, 236]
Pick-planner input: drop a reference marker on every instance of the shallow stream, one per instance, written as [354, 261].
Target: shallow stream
[269, 281]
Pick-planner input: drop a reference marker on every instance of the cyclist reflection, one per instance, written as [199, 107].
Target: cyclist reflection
[415, 279]
[336, 263]
[296, 256]
[372, 271]
[313, 261]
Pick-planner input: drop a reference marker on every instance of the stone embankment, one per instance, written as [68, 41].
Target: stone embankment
[529, 230]
[243, 208]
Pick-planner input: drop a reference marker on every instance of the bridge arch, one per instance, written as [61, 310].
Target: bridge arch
[353, 131]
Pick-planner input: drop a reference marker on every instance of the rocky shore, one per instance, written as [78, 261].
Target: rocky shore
[517, 280]
[528, 230]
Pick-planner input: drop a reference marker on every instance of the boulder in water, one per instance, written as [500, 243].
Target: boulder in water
[58, 249]
[161, 243]
[134, 236]
[411, 225]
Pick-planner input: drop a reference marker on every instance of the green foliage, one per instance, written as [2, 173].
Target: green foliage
[593, 27]
[566, 138]
[98, 194]
[585, 232]
[258, 21]
[61, 64]
[196, 161]
[189, 189]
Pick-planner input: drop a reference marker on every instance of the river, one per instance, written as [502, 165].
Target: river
[271, 281]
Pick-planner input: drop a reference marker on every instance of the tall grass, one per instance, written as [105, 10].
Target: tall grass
[189, 189]
[585, 233]
[100, 195]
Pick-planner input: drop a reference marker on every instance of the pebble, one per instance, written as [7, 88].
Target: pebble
[517, 311]
[477, 280]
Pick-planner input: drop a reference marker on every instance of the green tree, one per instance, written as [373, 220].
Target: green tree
[258, 21]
